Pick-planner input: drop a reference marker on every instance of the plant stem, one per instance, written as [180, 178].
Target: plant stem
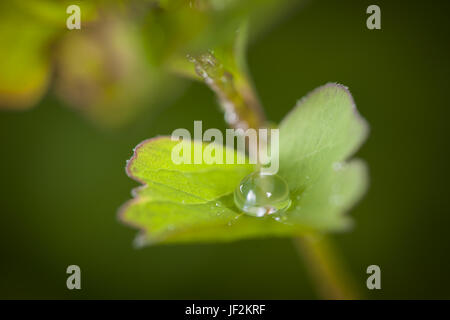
[233, 89]
[330, 278]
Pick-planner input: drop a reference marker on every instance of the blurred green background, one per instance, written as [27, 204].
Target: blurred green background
[62, 178]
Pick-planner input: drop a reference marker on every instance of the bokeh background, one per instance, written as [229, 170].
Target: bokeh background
[62, 176]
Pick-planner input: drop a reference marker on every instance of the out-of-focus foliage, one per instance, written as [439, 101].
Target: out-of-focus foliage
[103, 71]
[26, 32]
[124, 54]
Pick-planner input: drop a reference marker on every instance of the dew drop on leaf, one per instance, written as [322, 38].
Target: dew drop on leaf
[261, 194]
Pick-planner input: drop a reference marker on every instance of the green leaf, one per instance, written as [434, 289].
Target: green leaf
[194, 202]
[152, 163]
[316, 138]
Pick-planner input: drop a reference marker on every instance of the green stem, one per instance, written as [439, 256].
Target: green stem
[327, 270]
[233, 89]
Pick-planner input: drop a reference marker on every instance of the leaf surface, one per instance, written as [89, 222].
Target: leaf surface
[194, 202]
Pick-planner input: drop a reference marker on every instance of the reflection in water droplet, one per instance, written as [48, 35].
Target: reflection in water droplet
[260, 195]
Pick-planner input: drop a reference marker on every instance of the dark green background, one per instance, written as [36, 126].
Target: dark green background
[62, 179]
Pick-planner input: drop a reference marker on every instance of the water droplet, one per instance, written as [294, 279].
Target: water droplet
[261, 194]
[190, 58]
[234, 220]
[140, 241]
[231, 117]
[282, 218]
